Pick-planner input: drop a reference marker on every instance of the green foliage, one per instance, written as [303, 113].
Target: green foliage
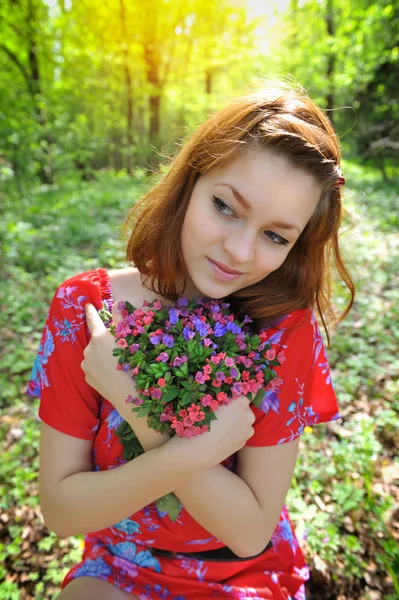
[85, 85]
[341, 500]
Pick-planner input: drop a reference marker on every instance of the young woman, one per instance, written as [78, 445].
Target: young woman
[248, 212]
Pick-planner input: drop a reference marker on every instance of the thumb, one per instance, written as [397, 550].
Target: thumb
[94, 322]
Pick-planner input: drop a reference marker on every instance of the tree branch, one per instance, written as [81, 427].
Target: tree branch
[16, 61]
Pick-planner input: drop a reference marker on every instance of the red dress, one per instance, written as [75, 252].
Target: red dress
[121, 554]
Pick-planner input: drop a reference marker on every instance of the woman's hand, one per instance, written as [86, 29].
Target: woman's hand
[99, 366]
[228, 434]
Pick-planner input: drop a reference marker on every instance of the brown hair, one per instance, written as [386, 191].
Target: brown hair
[286, 122]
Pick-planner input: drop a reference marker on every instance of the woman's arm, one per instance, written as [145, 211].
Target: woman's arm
[242, 509]
[75, 500]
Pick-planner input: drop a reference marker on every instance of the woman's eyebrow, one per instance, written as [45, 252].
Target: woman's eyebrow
[240, 198]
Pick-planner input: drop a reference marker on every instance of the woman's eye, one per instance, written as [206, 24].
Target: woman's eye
[221, 206]
[276, 239]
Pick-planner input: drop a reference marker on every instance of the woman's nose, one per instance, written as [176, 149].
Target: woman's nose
[240, 248]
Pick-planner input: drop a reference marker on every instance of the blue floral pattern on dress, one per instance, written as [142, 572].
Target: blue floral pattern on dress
[38, 378]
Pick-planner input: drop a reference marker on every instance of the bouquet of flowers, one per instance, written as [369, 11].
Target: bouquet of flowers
[187, 360]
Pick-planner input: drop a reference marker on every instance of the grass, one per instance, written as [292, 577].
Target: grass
[344, 496]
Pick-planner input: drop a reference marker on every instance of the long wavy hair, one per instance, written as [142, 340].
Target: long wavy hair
[286, 122]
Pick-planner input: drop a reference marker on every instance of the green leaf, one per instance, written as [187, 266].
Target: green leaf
[170, 394]
[257, 401]
[143, 411]
[169, 504]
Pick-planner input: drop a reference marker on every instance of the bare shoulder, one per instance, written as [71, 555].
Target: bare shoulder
[127, 285]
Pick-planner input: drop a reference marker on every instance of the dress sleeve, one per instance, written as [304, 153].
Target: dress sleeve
[67, 402]
[302, 394]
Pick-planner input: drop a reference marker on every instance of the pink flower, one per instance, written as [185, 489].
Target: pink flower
[214, 405]
[129, 399]
[122, 343]
[216, 383]
[206, 400]
[207, 342]
[119, 367]
[161, 382]
[135, 371]
[187, 421]
[178, 427]
[199, 377]
[229, 362]
[245, 375]
[270, 354]
[222, 398]
[215, 359]
[274, 383]
[156, 393]
[207, 369]
[281, 357]
[147, 320]
[138, 401]
[195, 412]
[157, 304]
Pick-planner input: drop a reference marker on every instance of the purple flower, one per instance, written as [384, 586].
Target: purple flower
[168, 341]
[220, 376]
[233, 327]
[236, 388]
[233, 373]
[126, 368]
[219, 330]
[163, 356]
[121, 305]
[157, 393]
[200, 326]
[182, 302]
[173, 316]
[178, 361]
[188, 334]
[154, 339]
[247, 320]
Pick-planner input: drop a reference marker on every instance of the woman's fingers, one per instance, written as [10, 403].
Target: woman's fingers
[94, 322]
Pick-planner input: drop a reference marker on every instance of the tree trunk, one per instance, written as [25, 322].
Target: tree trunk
[331, 59]
[153, 78]
[34, 84]
[208, 81]
[128, 86]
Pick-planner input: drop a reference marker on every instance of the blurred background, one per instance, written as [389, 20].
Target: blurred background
[94, 97]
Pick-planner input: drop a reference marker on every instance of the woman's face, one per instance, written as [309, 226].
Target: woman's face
[246, 216]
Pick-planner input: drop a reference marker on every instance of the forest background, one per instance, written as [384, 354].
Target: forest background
[94, 96]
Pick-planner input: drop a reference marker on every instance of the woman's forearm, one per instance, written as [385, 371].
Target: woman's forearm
[91, 501]
[224, 505]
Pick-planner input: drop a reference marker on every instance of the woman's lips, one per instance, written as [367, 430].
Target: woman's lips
[221, 273]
